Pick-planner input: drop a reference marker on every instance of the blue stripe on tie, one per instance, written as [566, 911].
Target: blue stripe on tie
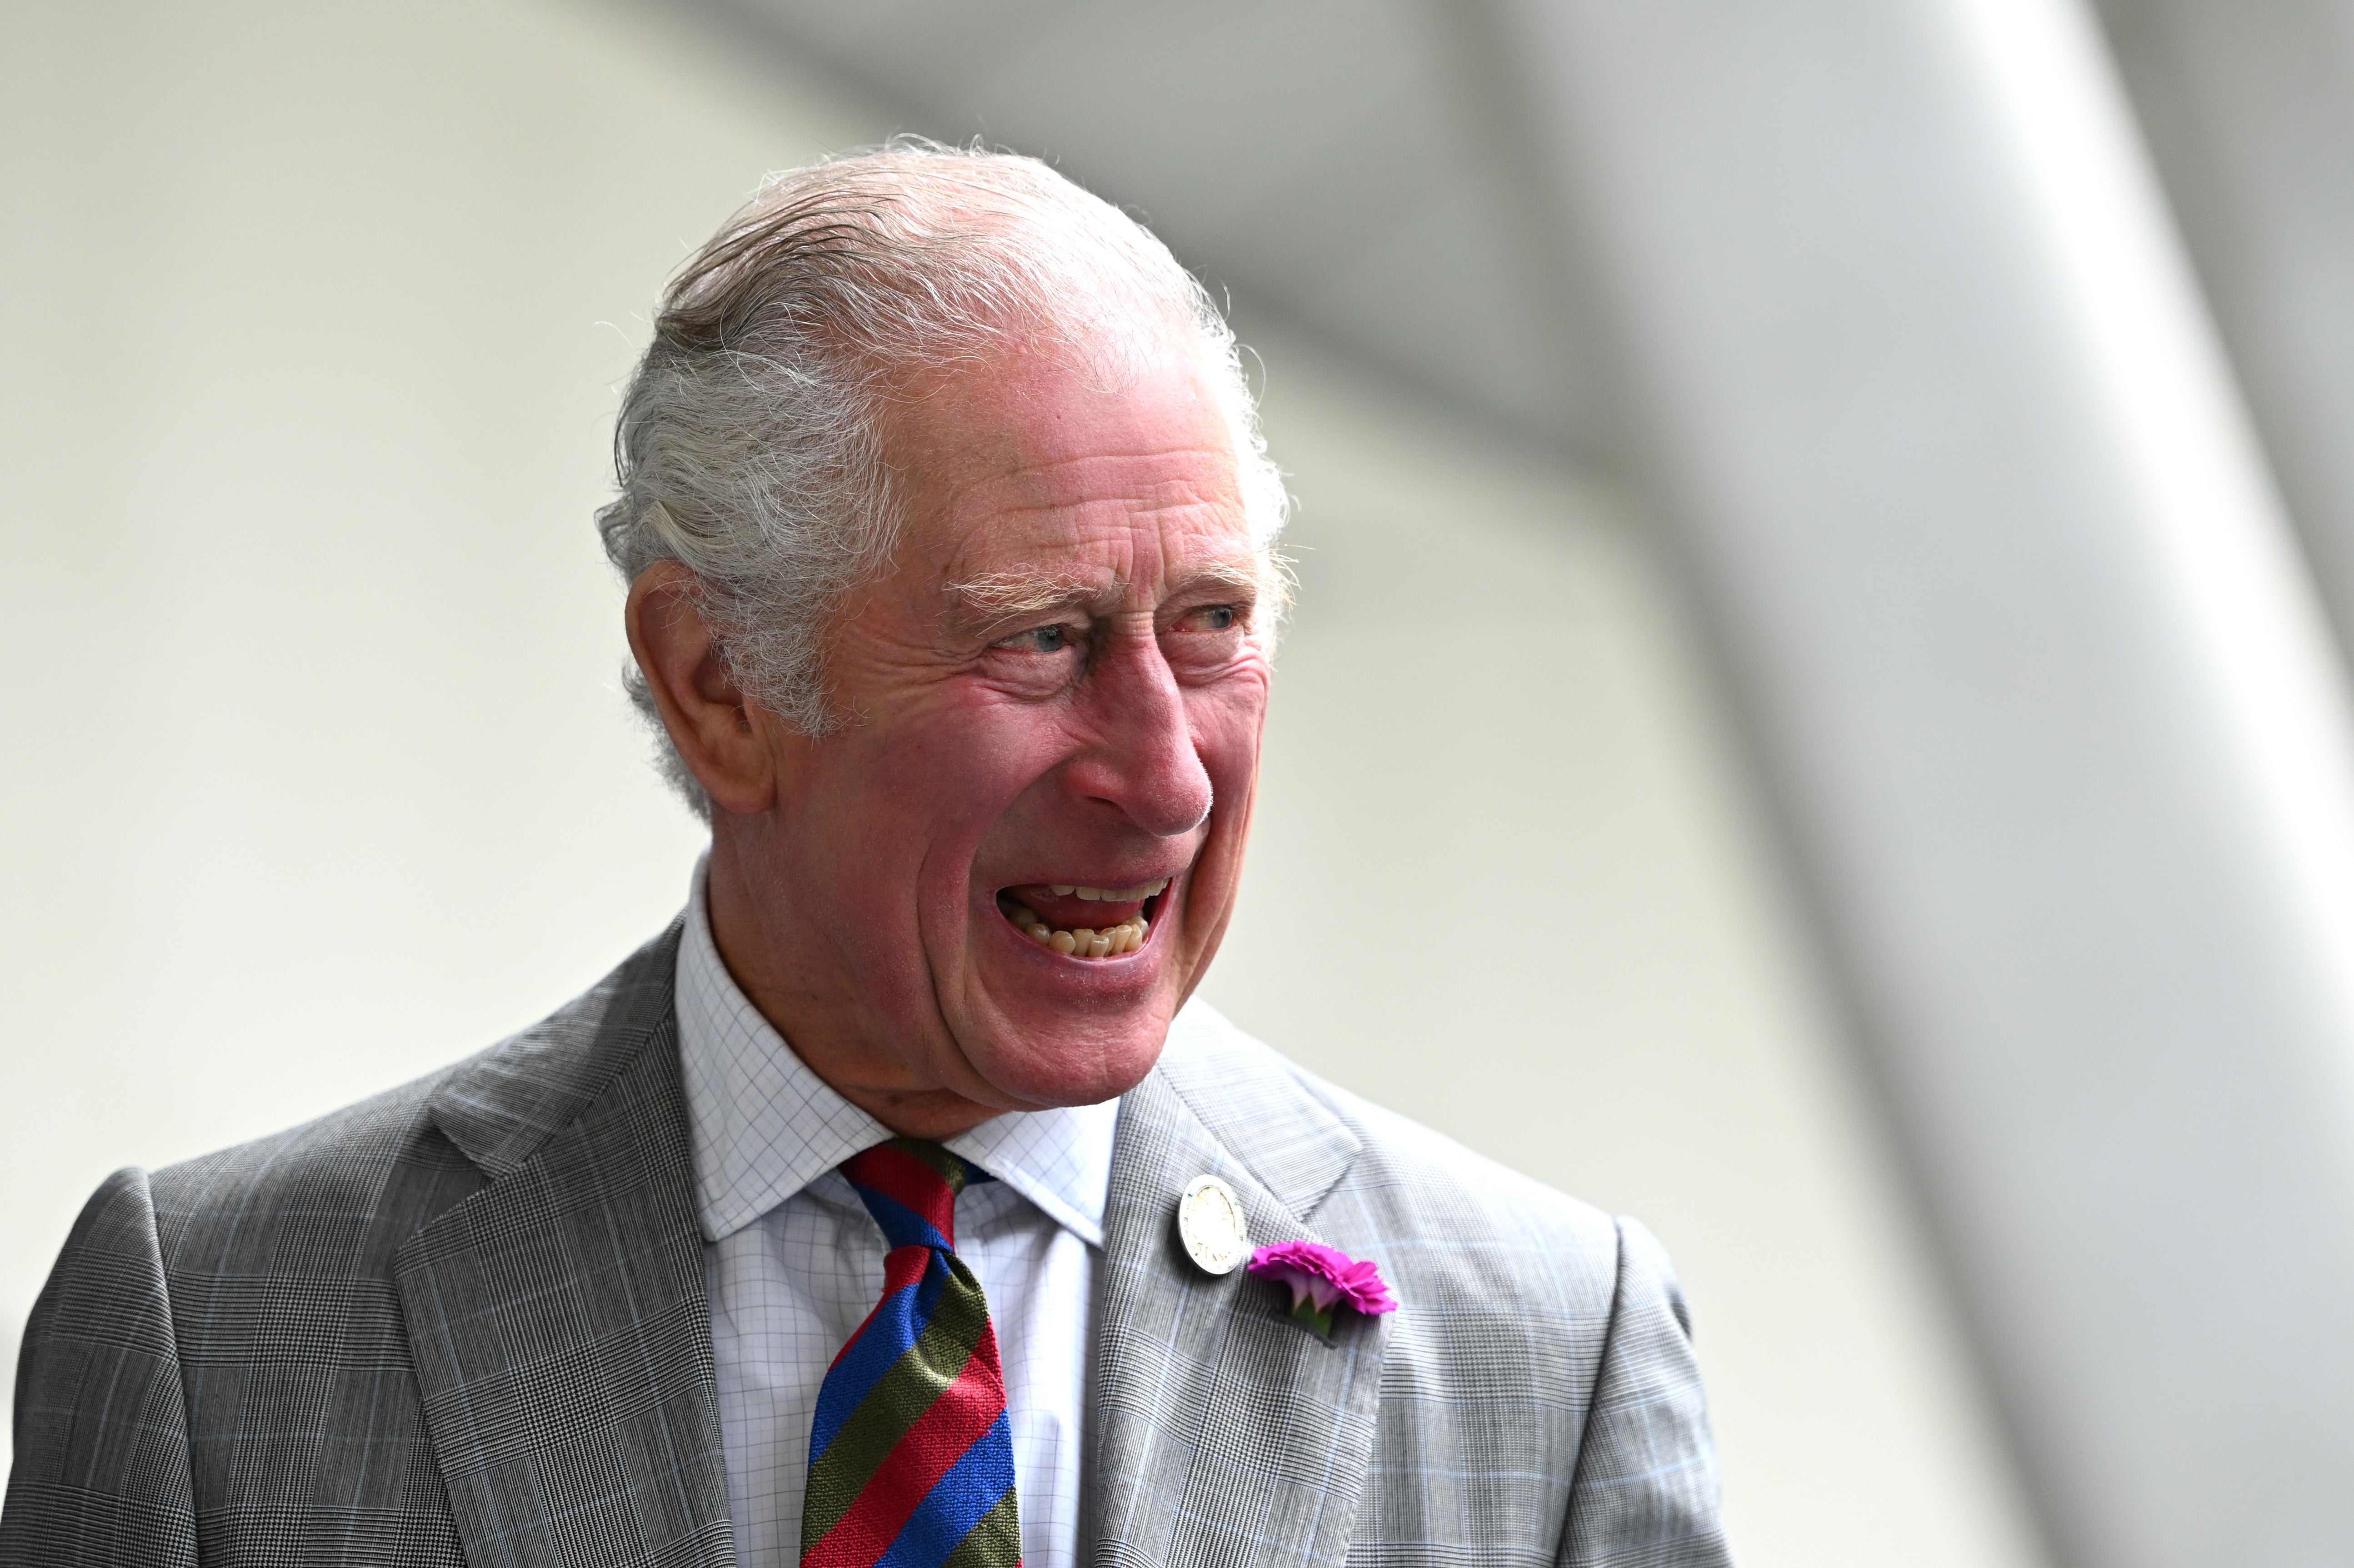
[927, 1293]
[902, 1226]
[860, 1369]
[899, 1320]
[970, 1489]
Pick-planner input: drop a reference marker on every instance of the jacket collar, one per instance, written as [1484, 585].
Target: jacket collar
[504, 1105]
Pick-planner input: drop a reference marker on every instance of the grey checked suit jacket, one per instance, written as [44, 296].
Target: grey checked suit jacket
[464, 1322]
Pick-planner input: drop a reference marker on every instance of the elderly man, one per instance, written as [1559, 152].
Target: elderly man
[886, 1208]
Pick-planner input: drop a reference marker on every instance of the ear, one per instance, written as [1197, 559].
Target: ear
[719, 733]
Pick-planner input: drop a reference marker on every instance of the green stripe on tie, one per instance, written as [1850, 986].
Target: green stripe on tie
[996, 1539]
[897, 1402]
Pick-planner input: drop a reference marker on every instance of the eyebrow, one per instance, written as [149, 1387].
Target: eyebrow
[999, 599]
[1247, 575]
[995, 597]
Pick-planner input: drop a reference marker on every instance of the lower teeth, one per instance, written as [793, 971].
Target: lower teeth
[1082, 942]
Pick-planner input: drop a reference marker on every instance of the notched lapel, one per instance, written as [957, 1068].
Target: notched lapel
[562, 1336]
[1227, 1434]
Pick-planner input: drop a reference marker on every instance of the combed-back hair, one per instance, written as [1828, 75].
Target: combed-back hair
[748, 447]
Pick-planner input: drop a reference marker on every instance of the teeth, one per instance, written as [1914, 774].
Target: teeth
[1080, 941]
[1086, 942]
[1111, 895]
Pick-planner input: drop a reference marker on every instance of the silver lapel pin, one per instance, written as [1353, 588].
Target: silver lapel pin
[1209, 1224]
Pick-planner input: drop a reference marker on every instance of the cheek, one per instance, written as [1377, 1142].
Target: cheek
[1226, 732]
[965, 770]
[1227, 720]
[899, 805]
[959, 786]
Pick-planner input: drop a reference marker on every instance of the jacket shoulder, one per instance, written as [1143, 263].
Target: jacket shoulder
[345, 1190]
[369, 1174]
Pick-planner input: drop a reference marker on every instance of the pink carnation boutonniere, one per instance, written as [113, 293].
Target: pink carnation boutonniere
[1322, 1278]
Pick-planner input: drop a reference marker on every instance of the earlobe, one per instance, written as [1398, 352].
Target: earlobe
[717, 731]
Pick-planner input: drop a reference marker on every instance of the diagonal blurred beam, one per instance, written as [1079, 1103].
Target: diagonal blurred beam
[2045, 693]
[2249, 107]
[1490, 100]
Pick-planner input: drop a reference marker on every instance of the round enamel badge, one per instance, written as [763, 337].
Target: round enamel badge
[1209, 1224]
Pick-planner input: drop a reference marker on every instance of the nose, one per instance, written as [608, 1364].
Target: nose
[1143, 760]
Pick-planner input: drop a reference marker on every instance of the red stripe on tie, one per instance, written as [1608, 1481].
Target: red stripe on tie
[904, 1265]
[984, 1355]
[910, 1182]
[965, 1410]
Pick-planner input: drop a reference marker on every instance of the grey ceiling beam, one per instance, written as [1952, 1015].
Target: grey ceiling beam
[1342, 166]
[2043, 691]
[2249, 107]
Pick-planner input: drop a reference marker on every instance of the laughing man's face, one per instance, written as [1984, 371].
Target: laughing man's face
[1051, 710]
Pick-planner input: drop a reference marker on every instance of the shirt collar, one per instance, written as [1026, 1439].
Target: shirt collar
[763, 1125]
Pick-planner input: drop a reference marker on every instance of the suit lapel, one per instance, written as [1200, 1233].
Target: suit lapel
[559, 1319]
[1224, 1433]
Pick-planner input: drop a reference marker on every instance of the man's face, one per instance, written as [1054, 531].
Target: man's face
[1057, 691]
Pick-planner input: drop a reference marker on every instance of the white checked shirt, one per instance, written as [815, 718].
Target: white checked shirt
[795, 1263]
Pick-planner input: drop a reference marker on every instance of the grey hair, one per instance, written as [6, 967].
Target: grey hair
[749, 447]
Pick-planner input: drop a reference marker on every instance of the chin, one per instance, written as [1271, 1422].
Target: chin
[1080, 1064]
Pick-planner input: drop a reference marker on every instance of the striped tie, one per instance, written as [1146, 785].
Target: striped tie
[911, 1462]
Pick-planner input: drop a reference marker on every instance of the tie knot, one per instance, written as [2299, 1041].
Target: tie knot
[910, 1186]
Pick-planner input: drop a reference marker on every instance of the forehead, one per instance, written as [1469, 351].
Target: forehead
[1032, 460]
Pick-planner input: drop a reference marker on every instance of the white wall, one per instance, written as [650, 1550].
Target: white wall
[319, 774]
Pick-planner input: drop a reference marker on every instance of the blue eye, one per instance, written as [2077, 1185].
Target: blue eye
[1220, 616]
[1040, 640]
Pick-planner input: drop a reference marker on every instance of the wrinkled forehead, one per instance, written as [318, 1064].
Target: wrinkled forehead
[1029, 462]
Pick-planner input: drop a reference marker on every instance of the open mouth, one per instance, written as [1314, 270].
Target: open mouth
[1084, 921]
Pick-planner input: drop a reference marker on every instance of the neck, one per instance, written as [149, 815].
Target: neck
[802, 986]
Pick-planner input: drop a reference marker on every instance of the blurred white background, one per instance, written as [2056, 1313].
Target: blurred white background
[320, 775]
[326, 778]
